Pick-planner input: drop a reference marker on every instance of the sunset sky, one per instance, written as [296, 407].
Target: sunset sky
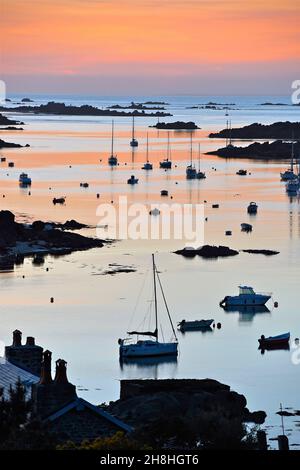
[150, 46]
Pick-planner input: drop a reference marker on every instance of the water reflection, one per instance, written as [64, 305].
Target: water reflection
[247, 312]
[274, 347]
[141, 362]
[207, 329]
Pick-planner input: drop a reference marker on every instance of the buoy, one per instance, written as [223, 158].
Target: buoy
[171, 197]
[98, 195]
[29, 193]
[52, 300]
[47, 269]
[275, 304]
[219, 326]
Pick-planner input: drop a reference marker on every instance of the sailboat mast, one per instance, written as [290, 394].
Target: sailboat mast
[112, 137]
[292, 158]
[132, 127]
[191, 149]
[168, 150]
[155, 295]
[199, 154]
[147, 151]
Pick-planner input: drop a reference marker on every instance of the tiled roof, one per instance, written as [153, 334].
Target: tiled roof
[80, 404]
[10, 374]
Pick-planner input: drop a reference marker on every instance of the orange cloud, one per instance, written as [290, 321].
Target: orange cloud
[90, 37]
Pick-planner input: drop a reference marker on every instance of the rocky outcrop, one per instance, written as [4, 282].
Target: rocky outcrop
[177, 125]
[207, 251]
[277, 130]
[5, 121]
[143, 401]
[4, 144]
[85, 110]
[261, 252]
[18, 240]
[268, 151]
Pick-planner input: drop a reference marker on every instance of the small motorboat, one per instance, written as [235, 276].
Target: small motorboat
[246, 227]
[194, 325]
[164, 192]
[252, 208]
[246, 296]
[147, 166]
[165, 164]
[113, 160]
[288, 175]
[274, 341]
[242, 172]
[293, 186]
[11, 164]
[132, 180]
[154, 211]
[3, 159]
[191, 172]
[84, 185]
[228, 233]
[59, 200]
[201, 175]
[24, 179]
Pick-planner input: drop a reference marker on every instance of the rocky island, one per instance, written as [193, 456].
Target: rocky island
[278, 130]
[18, 240]
[4, 144]
[207, 251]
[62, 109]
[266, 151]
[5, 121]
[178, 125]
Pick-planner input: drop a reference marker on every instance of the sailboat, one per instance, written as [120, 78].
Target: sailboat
[191, 171]
[113, 159]
[167, 163]
[200, 175]
[147, 165]
[150, 347]
[133, 142]
[289, 174]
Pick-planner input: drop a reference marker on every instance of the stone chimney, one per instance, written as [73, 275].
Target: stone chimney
[27, 356]
[50, 395]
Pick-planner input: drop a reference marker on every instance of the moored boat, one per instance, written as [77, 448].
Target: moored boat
[242, 172]
[246, 296]
[185, 325]
[150, 347]
[133, 142]
[132, 180]
[252, 208]
[113, 159]
[273, 341]
[24, 179]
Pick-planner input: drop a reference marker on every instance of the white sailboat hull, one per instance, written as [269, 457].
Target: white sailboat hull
[148, 349]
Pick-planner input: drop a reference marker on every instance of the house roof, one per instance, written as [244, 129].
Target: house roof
[80, 404]
[10, 374]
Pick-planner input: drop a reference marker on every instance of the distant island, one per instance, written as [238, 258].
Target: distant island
[278, 130]
[273, 104]
[178, 125]
[136, 106]
[4, 144]
[27, 100]
[265, 150]
[163, 103]
[85, 110]
[5, 121]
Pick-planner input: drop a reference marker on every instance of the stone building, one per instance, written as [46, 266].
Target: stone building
[54, 401]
